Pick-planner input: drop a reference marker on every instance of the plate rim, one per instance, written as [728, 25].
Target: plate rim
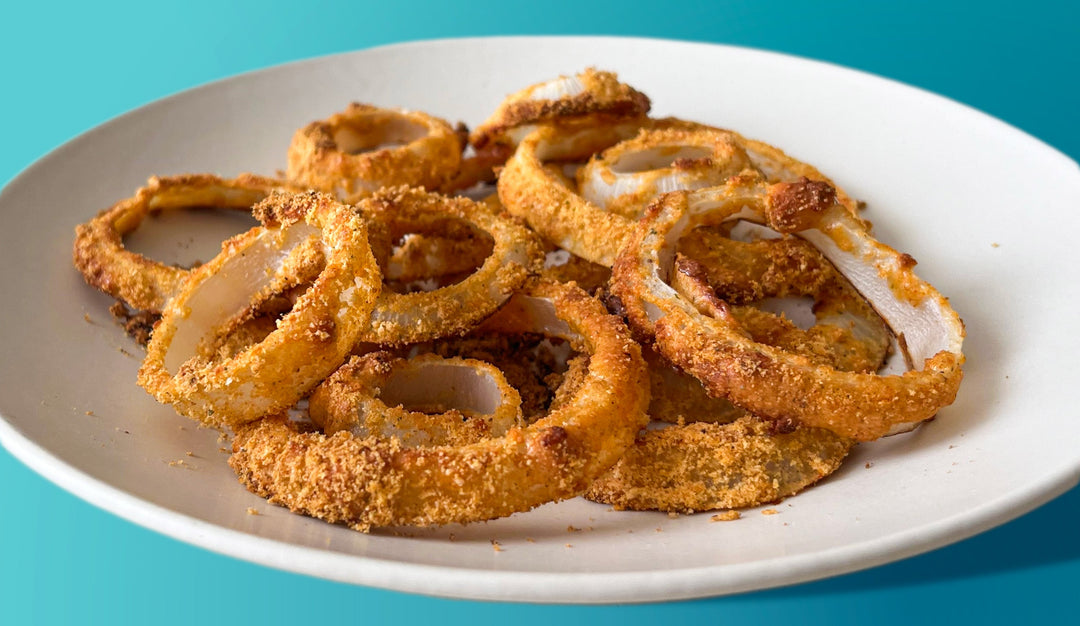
[635, 586]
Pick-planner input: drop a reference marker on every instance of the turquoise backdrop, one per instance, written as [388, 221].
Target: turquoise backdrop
[67, 67]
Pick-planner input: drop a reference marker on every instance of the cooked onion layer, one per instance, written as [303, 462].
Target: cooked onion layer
[355, 153]
[401, 318]
[771, 382]
[139, 282]
[627, 176]
[375, 481]
[305, 233]
[426, 400]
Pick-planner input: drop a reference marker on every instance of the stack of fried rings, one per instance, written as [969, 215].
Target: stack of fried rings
[341, 290]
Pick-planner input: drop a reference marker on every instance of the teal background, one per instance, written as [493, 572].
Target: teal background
[66, 68]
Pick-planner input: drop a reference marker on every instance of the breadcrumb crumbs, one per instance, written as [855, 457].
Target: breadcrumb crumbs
[726, 516]
[769, 512]
[252, 510]
[495, 546]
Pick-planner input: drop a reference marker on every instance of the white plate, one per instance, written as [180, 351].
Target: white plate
[985, 209]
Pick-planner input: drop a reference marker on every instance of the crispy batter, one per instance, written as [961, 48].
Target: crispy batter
[378, 482]
[702, 467]
[608, 182]
[139, 282]
[309, 343]
[697, 466]
[771, 381]
[401, 318]
[359, 398]
[570, 221]
[137, 324]
[600, 93]
[356, 152]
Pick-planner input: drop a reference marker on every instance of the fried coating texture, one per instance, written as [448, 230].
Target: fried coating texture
[400, 318]
[376, 481]
[143, 283]
[364, 148]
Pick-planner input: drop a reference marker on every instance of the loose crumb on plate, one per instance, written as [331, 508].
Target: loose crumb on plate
[769, 512]
[726, 516]
[252, 510]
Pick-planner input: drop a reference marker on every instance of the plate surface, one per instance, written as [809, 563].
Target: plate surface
[945, 183]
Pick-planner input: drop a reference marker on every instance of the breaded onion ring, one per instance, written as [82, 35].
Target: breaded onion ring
[705, 466]
[426, 400]
[710, 344]
[304, 231]
[139, 282]
[542, 197]
[356, 152]
[847, 333]
[401, 318]
[378, 482]
[695, 466]
[589, 93]
[627, 176]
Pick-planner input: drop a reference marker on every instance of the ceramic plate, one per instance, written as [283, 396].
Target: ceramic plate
[988, 212]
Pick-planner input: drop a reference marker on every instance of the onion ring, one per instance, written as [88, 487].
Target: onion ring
[356, 152]
[627, 176]
[139, 282]
[705, 466]
[591, 92]
[425, 400]
[540, 196]
[400, 318]
[378, 482]
[736, 460]
[554, 209]
[309, 342]
[771, 382]
[846, 334]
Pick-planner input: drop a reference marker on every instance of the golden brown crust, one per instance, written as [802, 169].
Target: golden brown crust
[798, 206]
[601, 93]
[694, 466]
[377, 482]
[553, 209]
[343, 154]
[605, 183]
[359, 398]
[401, 318]
[769, 380]
[139, 282]
[309, 342]
[703, 467]
[564, 217]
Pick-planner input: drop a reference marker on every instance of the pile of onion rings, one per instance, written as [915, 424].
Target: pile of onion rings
[655, 314]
